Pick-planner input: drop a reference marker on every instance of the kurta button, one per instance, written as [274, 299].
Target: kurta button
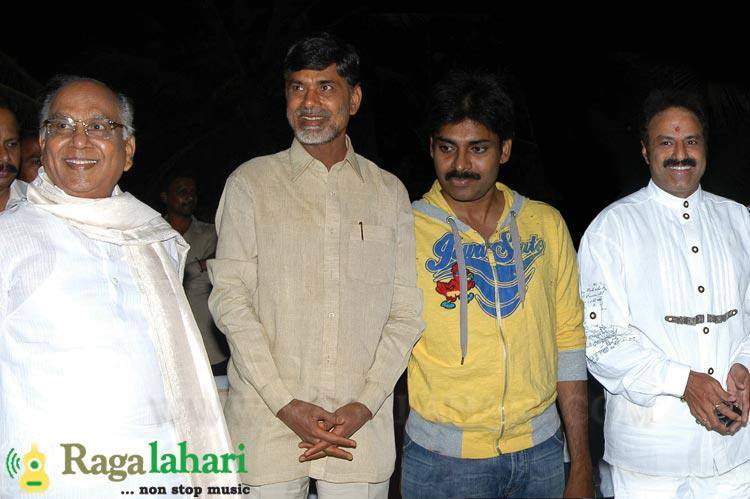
[705, 330]
[592, 315]
[685, 216]
[685, 204]
[695, 249]
[701, 289]
[331, 315]
[710, 370]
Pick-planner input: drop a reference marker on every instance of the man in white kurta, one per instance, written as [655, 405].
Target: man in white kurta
[665, 276]
[97, 344]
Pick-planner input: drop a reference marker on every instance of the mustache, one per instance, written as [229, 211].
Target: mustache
[679, 162]
[462, 174]
[313, 111]
[8, 167]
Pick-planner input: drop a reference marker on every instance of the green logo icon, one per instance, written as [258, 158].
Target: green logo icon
[12, 463]
[33, 479]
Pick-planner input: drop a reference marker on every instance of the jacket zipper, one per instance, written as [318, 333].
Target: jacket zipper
[502, 342]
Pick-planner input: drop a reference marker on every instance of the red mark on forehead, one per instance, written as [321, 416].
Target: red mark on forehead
[677, 129]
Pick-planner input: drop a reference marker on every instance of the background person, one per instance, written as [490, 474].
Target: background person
[30, 157]
[10, 155]
[180, 198]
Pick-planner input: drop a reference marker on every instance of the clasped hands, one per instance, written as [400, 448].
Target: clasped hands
[324, 433]
[705, 395]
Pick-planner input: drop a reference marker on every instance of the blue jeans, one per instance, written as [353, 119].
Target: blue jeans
[534, 472]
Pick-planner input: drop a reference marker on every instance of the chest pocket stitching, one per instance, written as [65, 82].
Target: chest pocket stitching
[371, 253]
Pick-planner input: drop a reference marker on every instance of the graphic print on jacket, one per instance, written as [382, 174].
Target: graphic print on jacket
[480, 273]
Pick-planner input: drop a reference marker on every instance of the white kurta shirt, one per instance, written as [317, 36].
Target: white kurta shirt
[76, 360]
[665, 283]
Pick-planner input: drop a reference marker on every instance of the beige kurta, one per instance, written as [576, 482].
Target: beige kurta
[315, 288]
[201, 237]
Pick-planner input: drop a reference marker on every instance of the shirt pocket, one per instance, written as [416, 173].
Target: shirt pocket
[371, 253]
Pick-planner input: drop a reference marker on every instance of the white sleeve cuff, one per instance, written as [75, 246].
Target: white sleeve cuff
[742, 359]
[675, 379]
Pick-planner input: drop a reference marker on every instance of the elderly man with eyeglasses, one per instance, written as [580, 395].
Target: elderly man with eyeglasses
[97, 343]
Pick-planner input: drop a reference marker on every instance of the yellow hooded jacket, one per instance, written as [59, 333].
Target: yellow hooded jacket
[489, 387]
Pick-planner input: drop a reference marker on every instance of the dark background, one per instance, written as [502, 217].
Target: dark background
[205, 77]
[206, 80]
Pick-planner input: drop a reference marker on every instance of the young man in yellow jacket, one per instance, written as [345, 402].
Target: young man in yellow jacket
[497, 351]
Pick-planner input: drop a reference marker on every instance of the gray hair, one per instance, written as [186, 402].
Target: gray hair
[124, 104]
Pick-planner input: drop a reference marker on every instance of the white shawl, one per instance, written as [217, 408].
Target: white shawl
[189, 387]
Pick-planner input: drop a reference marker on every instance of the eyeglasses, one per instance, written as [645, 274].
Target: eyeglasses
[98, 128]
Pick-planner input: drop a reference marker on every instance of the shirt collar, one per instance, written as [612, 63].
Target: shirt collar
[301, 159]
[674, 202]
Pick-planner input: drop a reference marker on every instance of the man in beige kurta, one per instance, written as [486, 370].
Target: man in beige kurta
[315, 287]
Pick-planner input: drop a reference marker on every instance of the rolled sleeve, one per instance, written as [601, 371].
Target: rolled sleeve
[570, 337]
[571, 365]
